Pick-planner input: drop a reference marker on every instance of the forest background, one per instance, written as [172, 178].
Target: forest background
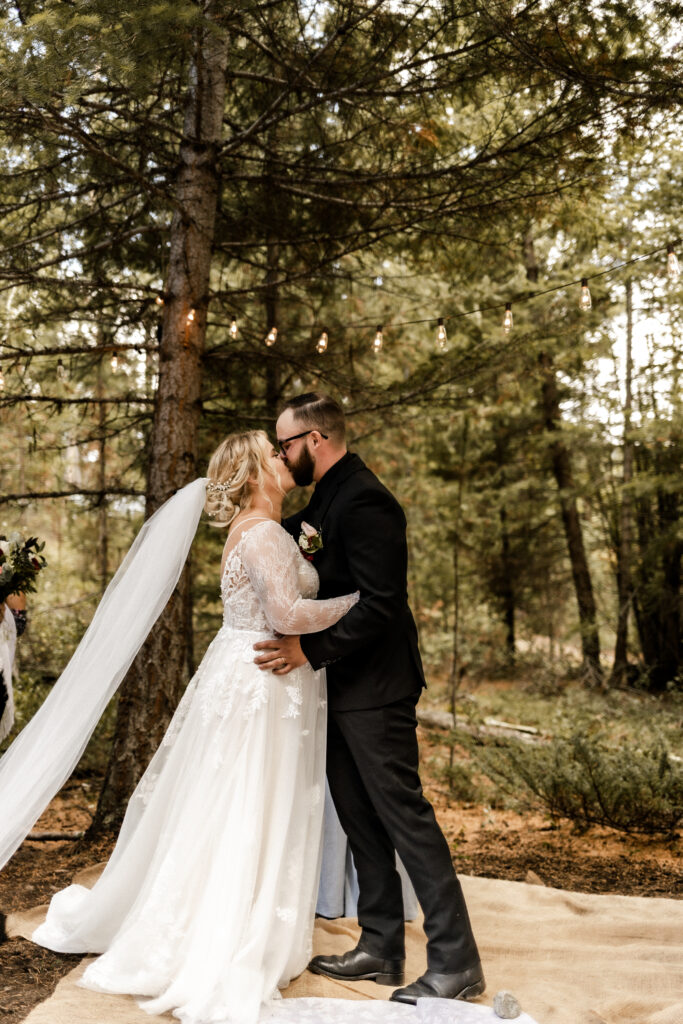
[179, 178]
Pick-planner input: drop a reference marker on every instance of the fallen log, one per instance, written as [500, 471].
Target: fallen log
[51, 837]
[432, 718]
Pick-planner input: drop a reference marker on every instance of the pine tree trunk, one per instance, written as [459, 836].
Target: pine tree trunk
[271, 303]
[508, 593]
[271, 294]
[624, 587]
[457, 668]
[156, 680]
[102, 518]
[562, 470]
[657, 590]
[670, 600]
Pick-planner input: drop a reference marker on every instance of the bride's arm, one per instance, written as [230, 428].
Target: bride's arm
[270, 559]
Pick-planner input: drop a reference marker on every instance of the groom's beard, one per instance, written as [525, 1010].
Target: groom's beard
[302, 470]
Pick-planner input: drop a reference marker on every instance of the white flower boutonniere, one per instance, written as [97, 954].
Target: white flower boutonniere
[310, 541]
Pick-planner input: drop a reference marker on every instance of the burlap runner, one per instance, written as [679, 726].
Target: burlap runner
[569, 958]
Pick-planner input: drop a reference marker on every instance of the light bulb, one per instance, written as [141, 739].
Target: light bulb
[379, 340]
[441, 337]
[159, 300]
[585, 302]
[233, 327]
[271, 336]
[61, 370]
[507, 319]
[322, 343]
[673, 270]
[190, 316]
[114, 363]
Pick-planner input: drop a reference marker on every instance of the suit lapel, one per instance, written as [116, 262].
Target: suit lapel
[354, 465]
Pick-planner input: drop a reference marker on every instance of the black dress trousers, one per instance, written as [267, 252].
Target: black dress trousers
[372, 769]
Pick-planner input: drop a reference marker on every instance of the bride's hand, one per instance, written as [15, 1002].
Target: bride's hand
[282, 654]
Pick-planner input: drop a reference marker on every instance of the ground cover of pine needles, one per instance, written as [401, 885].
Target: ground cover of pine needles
[593, 801]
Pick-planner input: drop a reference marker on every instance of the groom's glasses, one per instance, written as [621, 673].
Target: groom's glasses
[295, 437]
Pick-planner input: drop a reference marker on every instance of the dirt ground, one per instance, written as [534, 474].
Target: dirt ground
[494, 844]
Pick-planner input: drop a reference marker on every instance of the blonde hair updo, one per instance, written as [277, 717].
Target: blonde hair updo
[237, 459]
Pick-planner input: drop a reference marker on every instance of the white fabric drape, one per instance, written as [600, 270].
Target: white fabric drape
[47, 750]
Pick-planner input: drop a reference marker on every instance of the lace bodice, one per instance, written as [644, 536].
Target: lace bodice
[268, 584]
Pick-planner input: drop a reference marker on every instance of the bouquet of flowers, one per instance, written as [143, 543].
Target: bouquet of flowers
[20, 563]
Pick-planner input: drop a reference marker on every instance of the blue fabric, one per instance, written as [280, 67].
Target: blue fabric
[338, 892]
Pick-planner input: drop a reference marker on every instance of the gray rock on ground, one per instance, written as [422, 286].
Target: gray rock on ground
[506, 1006]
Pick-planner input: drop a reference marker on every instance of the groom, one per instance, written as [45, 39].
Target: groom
[374, 679]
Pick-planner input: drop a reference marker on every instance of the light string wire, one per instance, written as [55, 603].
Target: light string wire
[672, 271]
[524, 298]
[377, 345]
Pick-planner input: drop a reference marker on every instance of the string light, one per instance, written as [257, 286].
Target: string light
[507, 319]
[233, 327]
[159, 300]
[61, 370]
[190, 316]
[441, 336]
[271, 336]
[322, 343]
[379, 340]
[585, 302]
[114, 362]
[673, 270]
[362, 326]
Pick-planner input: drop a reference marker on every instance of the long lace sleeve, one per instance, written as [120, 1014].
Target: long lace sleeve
[270, 558]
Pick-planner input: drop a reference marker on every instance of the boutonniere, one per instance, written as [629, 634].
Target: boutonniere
[310, 541]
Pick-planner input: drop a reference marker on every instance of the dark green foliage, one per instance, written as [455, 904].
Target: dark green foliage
[458, 778]
[629, 789]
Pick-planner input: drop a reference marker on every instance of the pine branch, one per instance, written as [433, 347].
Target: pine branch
[76, 492]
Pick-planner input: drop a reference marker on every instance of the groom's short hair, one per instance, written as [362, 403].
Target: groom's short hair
[319, 411]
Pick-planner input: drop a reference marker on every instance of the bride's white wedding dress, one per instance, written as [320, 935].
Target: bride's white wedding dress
[206, 905]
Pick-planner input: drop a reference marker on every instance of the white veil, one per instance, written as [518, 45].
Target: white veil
[47, 750]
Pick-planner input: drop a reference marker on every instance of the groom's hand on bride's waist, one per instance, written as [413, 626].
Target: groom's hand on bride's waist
[280, 655]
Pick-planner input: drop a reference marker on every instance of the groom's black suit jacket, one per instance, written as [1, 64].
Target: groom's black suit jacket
[371, 655]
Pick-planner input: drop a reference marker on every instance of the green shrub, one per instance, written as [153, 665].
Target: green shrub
[458, 779]
[582, 779]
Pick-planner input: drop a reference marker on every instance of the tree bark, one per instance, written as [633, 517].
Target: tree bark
[102, 518]
[271, 302]
[562, 470]
[271, 293]
[508, 590]
[457, 668]
[624, 550]
[156, 680]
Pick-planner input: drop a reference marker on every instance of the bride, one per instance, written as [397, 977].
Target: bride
[206, 905]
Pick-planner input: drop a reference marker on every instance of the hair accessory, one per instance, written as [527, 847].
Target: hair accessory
[225, 486]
